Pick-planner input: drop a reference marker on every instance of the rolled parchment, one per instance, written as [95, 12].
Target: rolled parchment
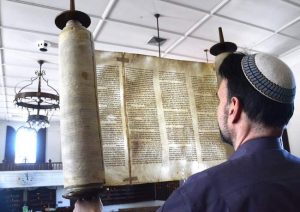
[80, 128]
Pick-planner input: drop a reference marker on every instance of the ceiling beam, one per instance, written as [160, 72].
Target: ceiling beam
[196, 26]
[106, 12]
[278, 32]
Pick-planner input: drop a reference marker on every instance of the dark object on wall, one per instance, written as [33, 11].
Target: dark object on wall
[285, 141]
[10, 145]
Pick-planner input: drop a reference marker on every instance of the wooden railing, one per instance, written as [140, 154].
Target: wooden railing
[30, 166]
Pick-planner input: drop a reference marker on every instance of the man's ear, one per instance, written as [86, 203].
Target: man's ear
[235, 110]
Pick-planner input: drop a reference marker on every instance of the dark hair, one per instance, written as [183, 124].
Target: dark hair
[258, 108]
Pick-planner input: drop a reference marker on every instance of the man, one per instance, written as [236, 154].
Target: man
[256, 94]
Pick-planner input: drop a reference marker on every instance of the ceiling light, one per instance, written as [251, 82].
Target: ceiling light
[157, 40]
[38, 103]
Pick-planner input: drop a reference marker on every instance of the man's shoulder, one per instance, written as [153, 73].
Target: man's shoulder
[292, 158]
[250, 169]
[209, 178]
[206, 175]
[223, 177]
[200, 191]
[214, 188]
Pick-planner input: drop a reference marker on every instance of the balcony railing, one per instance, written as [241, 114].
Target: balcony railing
[30, 166]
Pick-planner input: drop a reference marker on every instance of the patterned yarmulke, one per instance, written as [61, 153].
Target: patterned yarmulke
[270, 76]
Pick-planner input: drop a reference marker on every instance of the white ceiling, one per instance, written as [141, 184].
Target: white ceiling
[190, 26]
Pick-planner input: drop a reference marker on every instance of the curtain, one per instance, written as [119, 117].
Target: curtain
[41, 146]
[10, 145]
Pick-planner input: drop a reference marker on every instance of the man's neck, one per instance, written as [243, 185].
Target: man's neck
[252, 130]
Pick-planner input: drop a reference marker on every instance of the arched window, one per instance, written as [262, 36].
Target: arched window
[26, 145]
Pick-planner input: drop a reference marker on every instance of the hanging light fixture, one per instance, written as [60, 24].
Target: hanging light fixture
[157, 40]
[38, 103]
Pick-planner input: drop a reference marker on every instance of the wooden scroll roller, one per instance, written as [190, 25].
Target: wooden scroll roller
[80, 129]
[222, 49]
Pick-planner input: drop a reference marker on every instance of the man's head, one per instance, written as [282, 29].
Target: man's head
[244, 82]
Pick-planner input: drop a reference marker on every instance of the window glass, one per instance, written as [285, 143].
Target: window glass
[25, 146]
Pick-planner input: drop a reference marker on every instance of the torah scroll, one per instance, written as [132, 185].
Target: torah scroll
[80, 129]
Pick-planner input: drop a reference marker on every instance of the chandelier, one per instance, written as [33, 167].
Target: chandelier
[38, 103]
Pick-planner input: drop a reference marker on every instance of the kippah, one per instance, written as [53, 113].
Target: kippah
[270, 76]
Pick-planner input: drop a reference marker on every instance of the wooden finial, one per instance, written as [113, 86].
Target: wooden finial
[222, 46]
[72, 14]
